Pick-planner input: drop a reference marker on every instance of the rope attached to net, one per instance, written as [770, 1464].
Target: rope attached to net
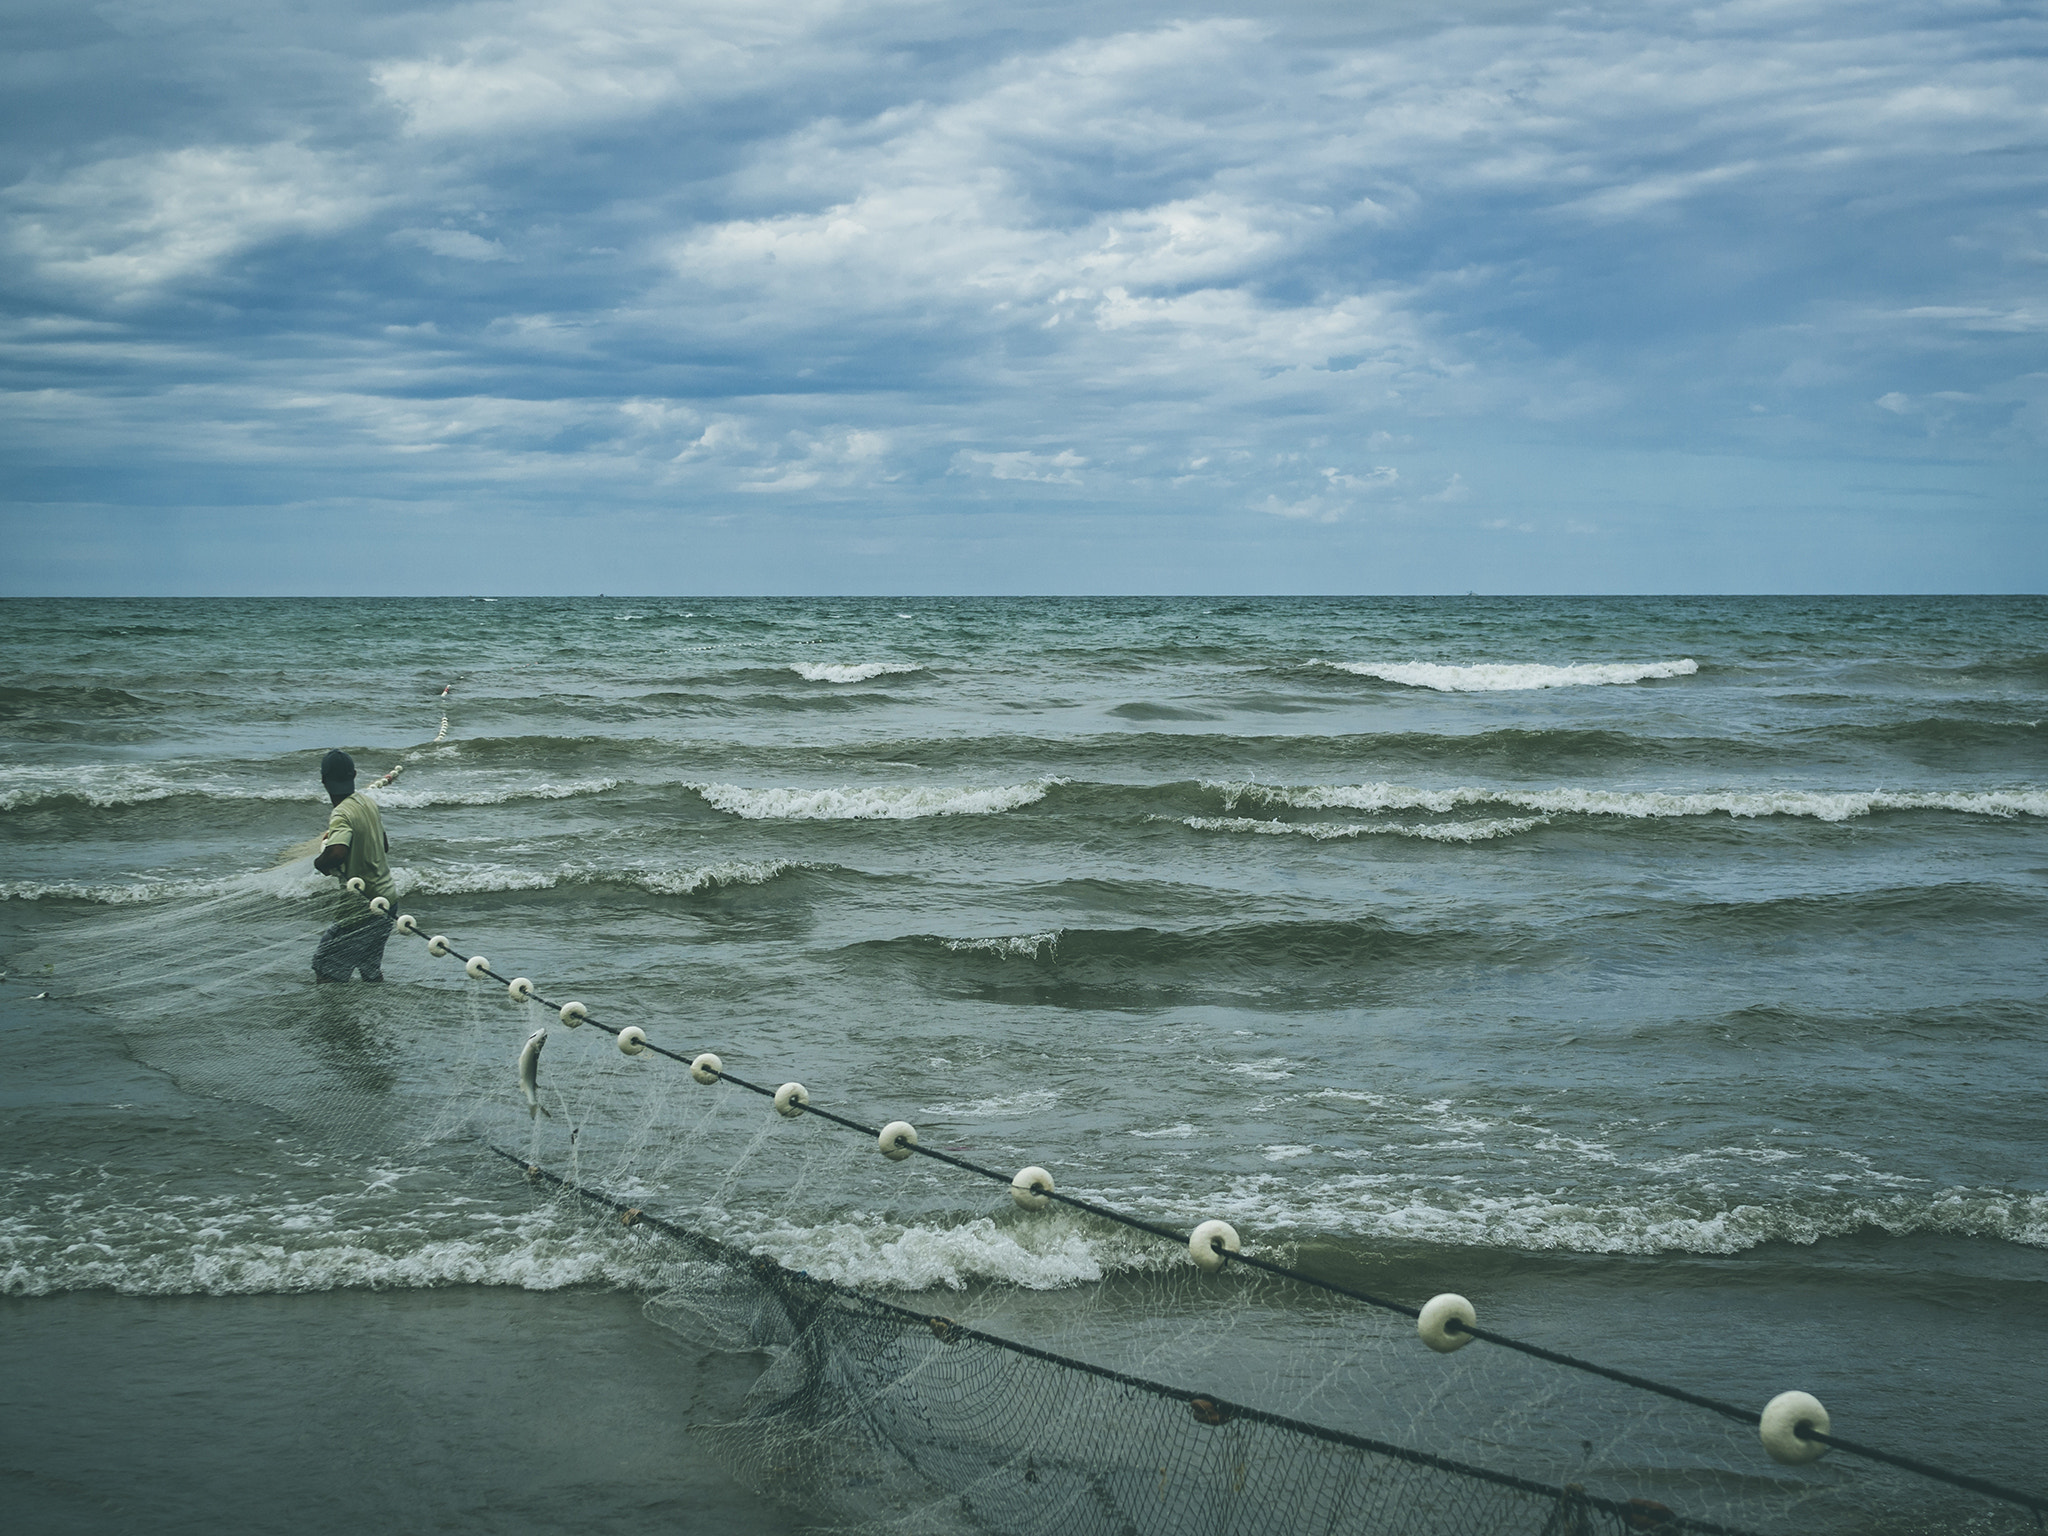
[1794, 1426]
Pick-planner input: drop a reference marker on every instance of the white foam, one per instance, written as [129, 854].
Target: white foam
[1821, 805]
[1511, 677]
[1383, 1206]
[1018, 946]
[855, 672]
[879, 802]
[241, 1247]
[1028, 1102]
[298, 880]
[463, 879]
[499, 794]
[1325, 831]
[107, 787]
[293, 881]
[1043, 1254]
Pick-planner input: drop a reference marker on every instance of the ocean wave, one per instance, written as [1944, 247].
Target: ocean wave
[220, 1248]
[1022, 946]
[468, 879]
[402, 798]
[856, 672]
[1511, 677]
[1821, 805]
[296, 880]
[1371, 1206]
[880, 802]
[293, 881]
[106, 789]
[1048, 1254]
[1323, 831]
[17, 702]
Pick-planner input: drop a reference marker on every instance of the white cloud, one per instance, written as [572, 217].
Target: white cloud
[461, 244]
[1060, 468]
[132, 224]
[534, 64]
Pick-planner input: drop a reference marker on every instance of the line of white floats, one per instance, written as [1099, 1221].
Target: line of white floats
[1443, 1323]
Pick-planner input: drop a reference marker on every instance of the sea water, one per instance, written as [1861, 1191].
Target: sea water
[1665, 974]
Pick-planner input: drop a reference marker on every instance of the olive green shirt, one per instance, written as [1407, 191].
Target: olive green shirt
[356, 826]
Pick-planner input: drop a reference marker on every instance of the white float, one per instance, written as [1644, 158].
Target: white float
[573, 1014]
[1779, 1427]
[790, 1099]
[476, 967]
[379, 905]
[897, 1131]
[355, 883]
[1031, 1187]
[1440, 1310]
[1204, 1240]
[521, 989]
[705, 1068]
[438, 944]
[406, 924]
[632, 1040]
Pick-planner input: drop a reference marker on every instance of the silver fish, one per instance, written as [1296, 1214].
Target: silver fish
[529, 1073]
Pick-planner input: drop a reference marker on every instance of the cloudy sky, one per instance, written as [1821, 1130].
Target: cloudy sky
[896, 296]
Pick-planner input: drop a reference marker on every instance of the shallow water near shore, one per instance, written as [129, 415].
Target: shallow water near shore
[1664, 975]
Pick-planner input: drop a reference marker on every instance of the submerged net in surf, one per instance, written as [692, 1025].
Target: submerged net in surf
[1158, 1398]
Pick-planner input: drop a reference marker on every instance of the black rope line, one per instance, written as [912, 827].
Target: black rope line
[774, 1271]
[1727, 1410]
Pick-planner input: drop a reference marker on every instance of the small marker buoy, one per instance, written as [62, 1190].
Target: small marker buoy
[437, 945]
[1780, 1422]
[630, 1218]
[520, 988]
[355, 883]
[632, 1040]
[379, 905]
[705, 1068]
[1206, 1240]
[1438, 1311]
[896, 1140]
[790, 1100]
[476, 967]
[1031, 1187]
[573, 1014]
[406, 923]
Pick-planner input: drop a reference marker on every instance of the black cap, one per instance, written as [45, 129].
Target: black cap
[337, 767]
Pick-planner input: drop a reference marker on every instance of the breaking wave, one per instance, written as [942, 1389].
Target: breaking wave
[857, 672]
[1635, 804]
[1511, 677]
[878, 802]
[1324, 831]
[109, 788]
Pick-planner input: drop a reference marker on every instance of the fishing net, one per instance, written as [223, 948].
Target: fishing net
[1155, 1399]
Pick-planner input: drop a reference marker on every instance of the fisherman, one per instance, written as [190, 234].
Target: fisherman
[355, 847]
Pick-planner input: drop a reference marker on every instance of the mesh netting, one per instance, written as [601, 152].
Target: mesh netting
[1156, 1399]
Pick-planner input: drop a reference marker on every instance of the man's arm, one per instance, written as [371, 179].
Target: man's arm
[330, 859]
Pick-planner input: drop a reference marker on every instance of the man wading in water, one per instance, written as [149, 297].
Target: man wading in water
[355, 847]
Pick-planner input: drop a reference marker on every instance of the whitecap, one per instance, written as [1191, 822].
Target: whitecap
[1021, 946]
[1821, 805]
[854, 672]
[879, 802]
[1324, 831]
[1511, 677]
